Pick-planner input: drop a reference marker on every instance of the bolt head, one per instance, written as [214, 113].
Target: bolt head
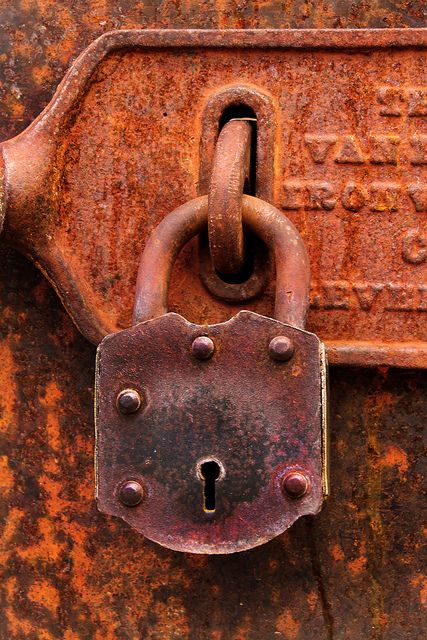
[131, 493]
[128, 401]
[203, 348]
[281, 348]
[295, 484]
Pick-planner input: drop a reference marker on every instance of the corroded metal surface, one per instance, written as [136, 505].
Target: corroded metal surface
[230, 171]
[349, 169]
[255, 417]
[70, 572]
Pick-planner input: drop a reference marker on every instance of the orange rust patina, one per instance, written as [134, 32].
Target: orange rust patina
[340, 147]
[112, 585]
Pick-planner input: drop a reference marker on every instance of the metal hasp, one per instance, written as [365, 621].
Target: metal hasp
[212, 438]
[341, 148]
[230, 170]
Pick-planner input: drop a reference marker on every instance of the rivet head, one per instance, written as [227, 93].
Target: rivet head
[295, 484]
[128, 401]
[281, 348]
[131, 493]
[202, 348]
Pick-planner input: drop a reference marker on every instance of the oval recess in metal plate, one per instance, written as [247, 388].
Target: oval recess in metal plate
[118, 148]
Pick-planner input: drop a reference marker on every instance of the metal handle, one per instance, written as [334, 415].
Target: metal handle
[272, 226]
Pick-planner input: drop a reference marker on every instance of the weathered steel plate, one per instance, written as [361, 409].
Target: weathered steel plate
[255, 418]
[119, 147]
[69, 572]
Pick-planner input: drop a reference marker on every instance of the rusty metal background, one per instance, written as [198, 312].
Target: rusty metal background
[68, 572]
[342, 112]
[355, 570]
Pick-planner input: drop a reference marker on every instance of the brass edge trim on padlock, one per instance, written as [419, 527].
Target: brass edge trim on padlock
[324, 410]
[96, 420]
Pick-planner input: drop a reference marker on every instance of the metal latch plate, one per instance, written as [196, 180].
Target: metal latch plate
[342, 150]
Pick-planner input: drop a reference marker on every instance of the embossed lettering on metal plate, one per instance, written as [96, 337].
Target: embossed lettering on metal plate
[118, 147]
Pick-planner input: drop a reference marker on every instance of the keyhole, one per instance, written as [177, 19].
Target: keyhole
[209, 472]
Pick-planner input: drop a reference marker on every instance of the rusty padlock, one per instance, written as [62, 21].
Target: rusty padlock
[212, 439]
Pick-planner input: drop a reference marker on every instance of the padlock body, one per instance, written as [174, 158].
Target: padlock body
[257, 418]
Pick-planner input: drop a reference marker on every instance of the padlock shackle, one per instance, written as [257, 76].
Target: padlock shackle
[188, 220]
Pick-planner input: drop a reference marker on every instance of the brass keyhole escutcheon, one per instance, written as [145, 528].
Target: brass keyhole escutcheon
[209, 472]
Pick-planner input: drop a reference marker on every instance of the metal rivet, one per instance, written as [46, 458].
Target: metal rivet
[295, 483]
[202, 348]
[128, 401]
[281, 348]
[131, 493]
